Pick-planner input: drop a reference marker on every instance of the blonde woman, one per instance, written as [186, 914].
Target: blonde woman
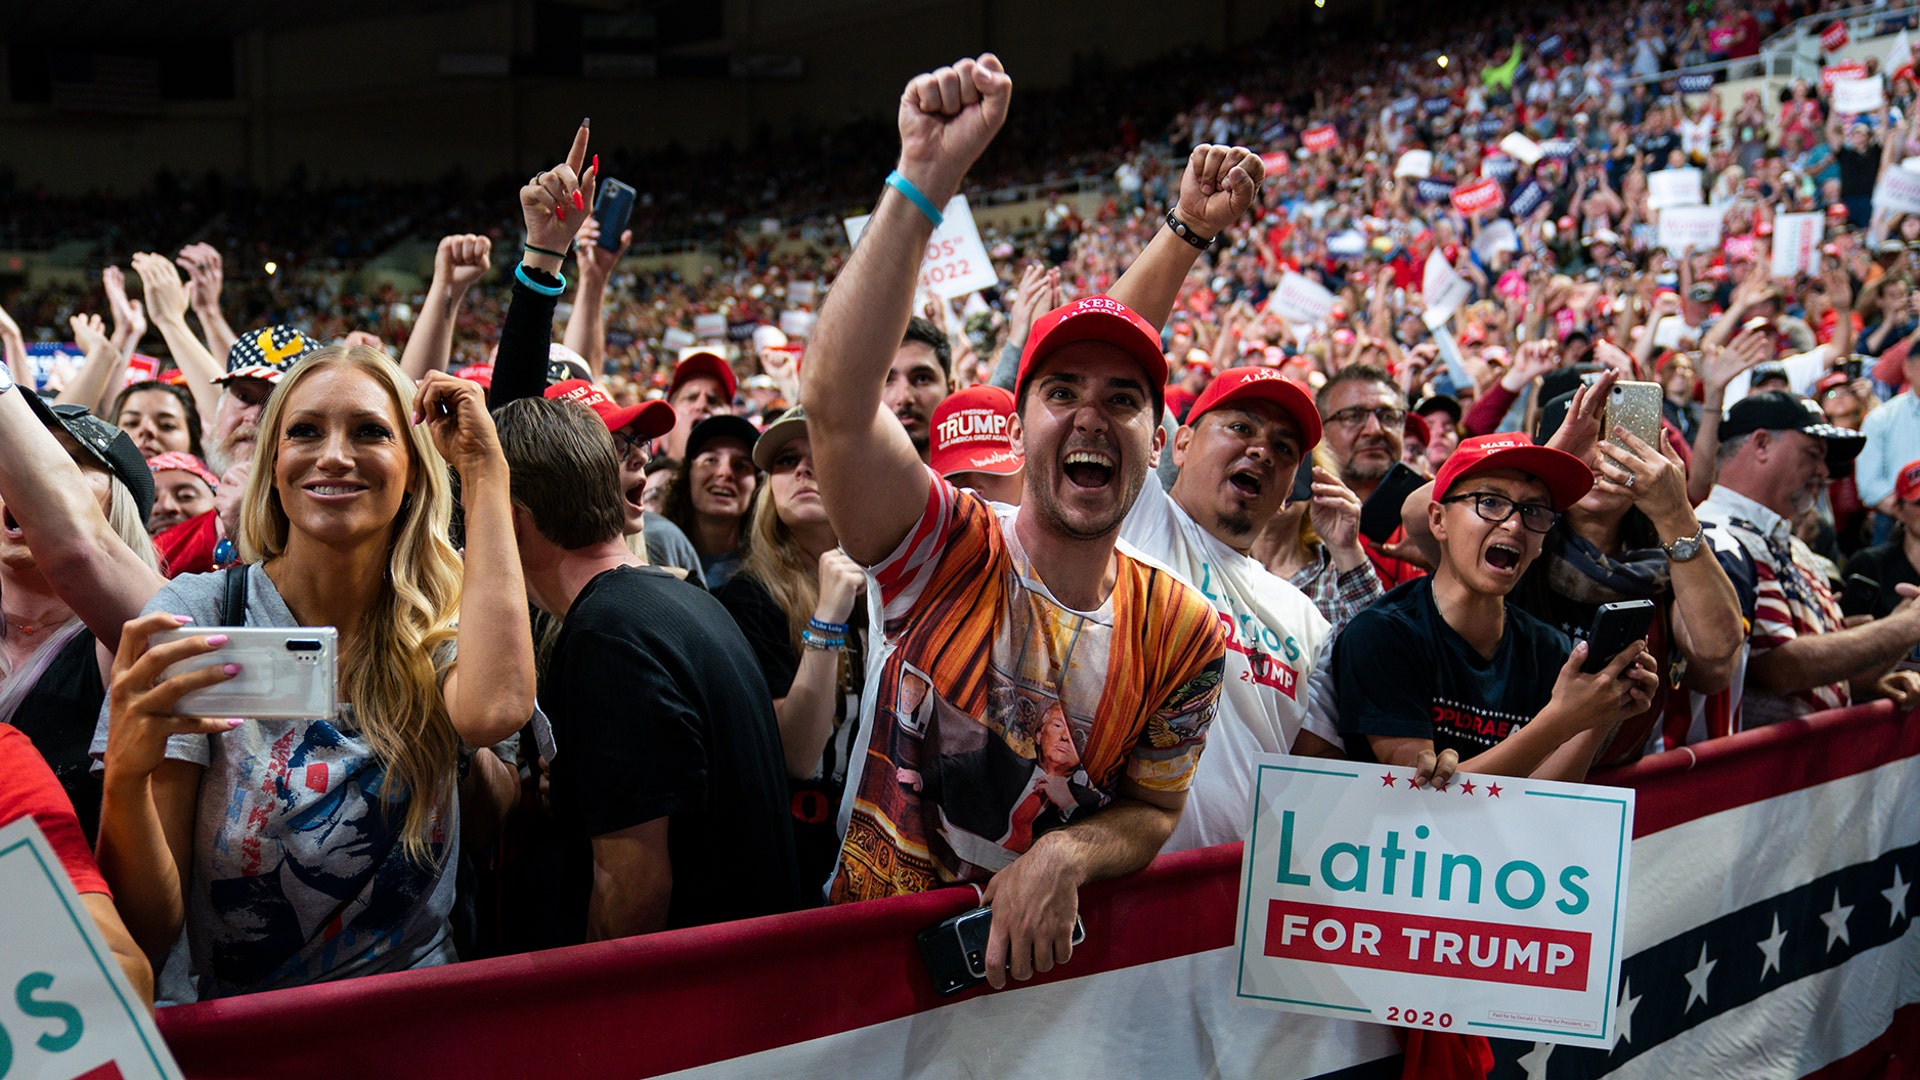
[304, 851]
[794, 599]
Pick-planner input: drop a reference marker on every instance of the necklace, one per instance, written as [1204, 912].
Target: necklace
[25, 629]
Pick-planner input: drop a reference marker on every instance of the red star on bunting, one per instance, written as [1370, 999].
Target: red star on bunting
[1466, 786]
[1493, 791]
[1441, 786]
[1387, 780]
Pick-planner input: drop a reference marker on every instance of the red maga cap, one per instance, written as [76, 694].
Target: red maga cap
[1262, 384]
[970, 433]
[1096, 318]
[704, 365]
[1907, 485]
[1567, 477]
[649, 419]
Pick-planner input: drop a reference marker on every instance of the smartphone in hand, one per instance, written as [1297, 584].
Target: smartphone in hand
[1616, 626]
[1380, 514]
[612, 209]
[955, 950]
[286, 673]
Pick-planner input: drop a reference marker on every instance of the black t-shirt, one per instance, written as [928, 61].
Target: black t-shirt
[59, 714]
[1887, 564]
[1858, 171]
[659, 710]
[815, 802]
[1400, 670]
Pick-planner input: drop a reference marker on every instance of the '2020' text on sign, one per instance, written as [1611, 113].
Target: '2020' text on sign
[1492, 906]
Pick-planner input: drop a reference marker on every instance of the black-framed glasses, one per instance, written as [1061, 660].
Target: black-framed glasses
[1497, 508]
[625, 444]
[1356, 416]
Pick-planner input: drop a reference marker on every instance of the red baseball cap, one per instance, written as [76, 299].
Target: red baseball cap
[480, 373]
[1907, 485]
[1262, 384]
[178, 461]
[704, 365]
[1418, 429]
[1096, 318]
[649, 419]
[969, 433]
[1567, 477]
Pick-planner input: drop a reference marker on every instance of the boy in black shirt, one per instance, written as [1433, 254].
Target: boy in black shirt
[1442, 673]
[668, 780]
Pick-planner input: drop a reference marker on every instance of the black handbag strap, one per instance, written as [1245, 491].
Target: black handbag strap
[234, 611]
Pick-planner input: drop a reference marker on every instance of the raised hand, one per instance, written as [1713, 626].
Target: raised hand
[166, 295]
[1748, 349]
[555, 203]
[1335, 513]
[455, 412]
[947, 117]
[1581, 429]
[595, 262]
[1219, 185]
[206, 274]
[461, 260]
[89, 332]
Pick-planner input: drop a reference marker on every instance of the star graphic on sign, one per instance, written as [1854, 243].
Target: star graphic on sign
[1387, 780]
[1897, 898]
[1466, 786]
[1836, 919]
[1493, 791]
[1697, 979]
[1623, 1019]
[1442, 786]
[1770, 948]
[1535, 1061]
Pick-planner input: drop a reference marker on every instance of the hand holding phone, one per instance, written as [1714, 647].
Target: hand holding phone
[955, 949]
[1616, 626]
[285, 673]
[1380, 514]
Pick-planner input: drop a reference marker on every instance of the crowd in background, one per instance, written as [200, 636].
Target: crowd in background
[1767, 517]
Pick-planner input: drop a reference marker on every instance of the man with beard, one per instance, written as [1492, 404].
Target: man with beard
[1777, 452]
[1243, 440]
[918, 380]
[1365, 416]
[1006, 612]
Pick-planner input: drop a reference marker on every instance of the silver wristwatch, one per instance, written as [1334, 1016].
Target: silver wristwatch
[1687, 546]
[6, 378]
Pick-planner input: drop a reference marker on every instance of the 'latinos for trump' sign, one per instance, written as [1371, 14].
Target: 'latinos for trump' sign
[1492, 906]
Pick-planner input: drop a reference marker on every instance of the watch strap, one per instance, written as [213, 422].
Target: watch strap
[1692, 545]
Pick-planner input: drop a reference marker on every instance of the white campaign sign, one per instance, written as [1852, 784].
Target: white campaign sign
[1415, 163]
[1443, 289]
[1856, 96]
[1796, 243]
[1674, 187]
[1898, 190]
[1684, 228]
[1301, 300]
[1498, 236]
[66, 1009]
[1519, 146]
[1493, 906]
[710, 327]
[956, 262]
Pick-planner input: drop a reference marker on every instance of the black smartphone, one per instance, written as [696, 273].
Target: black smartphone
[1616, 626]
[1380, 514]
[1302, 483]
[611, 210]
[955, 949]
[1856, 366]
[1859, 596]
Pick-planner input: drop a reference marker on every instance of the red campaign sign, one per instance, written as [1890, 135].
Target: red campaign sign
[1320, 139]
[1276, 163]
[1427, 945]
[1477, 196]
[1834, 38]
[1852, 69]
[1738, 247]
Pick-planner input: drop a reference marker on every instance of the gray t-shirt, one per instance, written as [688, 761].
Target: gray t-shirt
[667, 546]
[298, 873]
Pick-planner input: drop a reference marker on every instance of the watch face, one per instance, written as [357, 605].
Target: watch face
[1685, 548]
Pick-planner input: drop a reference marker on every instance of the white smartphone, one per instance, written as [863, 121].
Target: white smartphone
[286, 673]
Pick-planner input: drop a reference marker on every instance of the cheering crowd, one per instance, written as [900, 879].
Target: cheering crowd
[1004, 591]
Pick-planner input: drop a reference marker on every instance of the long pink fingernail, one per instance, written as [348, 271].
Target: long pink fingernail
[231, 669]
[183, 619]
[234, 723]
[217, 639]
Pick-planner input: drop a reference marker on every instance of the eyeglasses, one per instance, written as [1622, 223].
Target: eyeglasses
[1389, 417]
[1498, 508]
[625, 445]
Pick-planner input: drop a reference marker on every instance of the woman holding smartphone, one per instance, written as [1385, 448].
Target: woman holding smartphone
[301, 851]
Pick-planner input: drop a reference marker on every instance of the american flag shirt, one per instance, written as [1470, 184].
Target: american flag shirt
[1790, 598]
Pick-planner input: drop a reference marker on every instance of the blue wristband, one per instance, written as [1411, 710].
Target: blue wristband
[905, 187]
[520, 272]
[827, 627]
